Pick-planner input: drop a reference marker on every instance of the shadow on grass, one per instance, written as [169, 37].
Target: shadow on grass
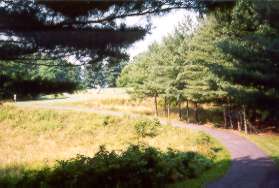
[41, 99]
[135, 167]
[205, 115]
[51, 98]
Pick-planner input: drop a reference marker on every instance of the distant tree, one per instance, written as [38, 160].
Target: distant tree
[103, 74]
[33, 80]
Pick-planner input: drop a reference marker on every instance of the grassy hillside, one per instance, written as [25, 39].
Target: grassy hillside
[117, 99]
[34, 139]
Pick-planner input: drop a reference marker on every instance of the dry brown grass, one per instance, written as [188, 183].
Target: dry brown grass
[117, 99]
[34, 138]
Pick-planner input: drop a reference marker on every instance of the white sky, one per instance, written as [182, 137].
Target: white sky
[161, 27]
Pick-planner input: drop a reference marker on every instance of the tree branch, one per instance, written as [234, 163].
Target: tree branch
[109, 18]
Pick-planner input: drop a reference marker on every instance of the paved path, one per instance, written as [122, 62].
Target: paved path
[250, 168]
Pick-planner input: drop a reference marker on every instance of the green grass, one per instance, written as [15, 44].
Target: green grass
[268, 143]
[33, 139]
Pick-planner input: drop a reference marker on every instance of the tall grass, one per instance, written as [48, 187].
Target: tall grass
[32, 139]
[31, 135]
[118, 99]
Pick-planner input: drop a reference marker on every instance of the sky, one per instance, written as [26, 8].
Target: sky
[161, 27]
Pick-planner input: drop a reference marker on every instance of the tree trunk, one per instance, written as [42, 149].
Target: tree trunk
[225, 117]
[244, 120]
[179, 108]
[156, 105]
[239, 120]
[187, 110]
[165, 106]
[196, 112]
[230, 118]
[230, 115]
[168, 110]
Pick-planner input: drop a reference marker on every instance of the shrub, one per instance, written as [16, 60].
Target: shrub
[137, 166]
[147, 127]
[109, 120]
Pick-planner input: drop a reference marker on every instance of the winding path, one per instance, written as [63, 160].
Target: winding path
[250, 167]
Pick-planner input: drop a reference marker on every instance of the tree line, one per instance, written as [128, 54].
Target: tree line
[31, 80]
[229, 59]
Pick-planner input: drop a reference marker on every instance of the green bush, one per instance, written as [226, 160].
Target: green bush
[137, 166]
[147, 127]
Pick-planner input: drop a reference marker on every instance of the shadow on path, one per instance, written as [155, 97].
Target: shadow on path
[246, 172]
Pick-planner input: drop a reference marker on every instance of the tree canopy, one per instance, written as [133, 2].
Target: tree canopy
[229, 60]
[89, 30]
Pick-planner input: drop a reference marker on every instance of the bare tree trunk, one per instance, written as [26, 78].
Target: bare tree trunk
[239, 120]
[225, 116]
[245, 120]
[230, 115]
[179, 108]
[187, 110]
[168, 110]
[165, 106]
[196, 112]
[230, 118]
[156, 105]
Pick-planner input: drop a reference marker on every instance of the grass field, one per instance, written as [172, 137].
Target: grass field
[118, 99]
[115, 99]
[33, 139]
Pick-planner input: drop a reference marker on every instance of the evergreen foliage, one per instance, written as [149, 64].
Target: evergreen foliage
[90, 32]
[102, 74]
[29, 81]
[86, 28]
[229, 60]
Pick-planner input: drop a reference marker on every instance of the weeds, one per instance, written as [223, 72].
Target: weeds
[147, 127]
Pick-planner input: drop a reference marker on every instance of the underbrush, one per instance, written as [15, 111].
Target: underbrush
[137, 167]
[32, 140]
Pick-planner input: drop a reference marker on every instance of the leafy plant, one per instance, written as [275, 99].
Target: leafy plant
[137, 166]
[147, 127]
